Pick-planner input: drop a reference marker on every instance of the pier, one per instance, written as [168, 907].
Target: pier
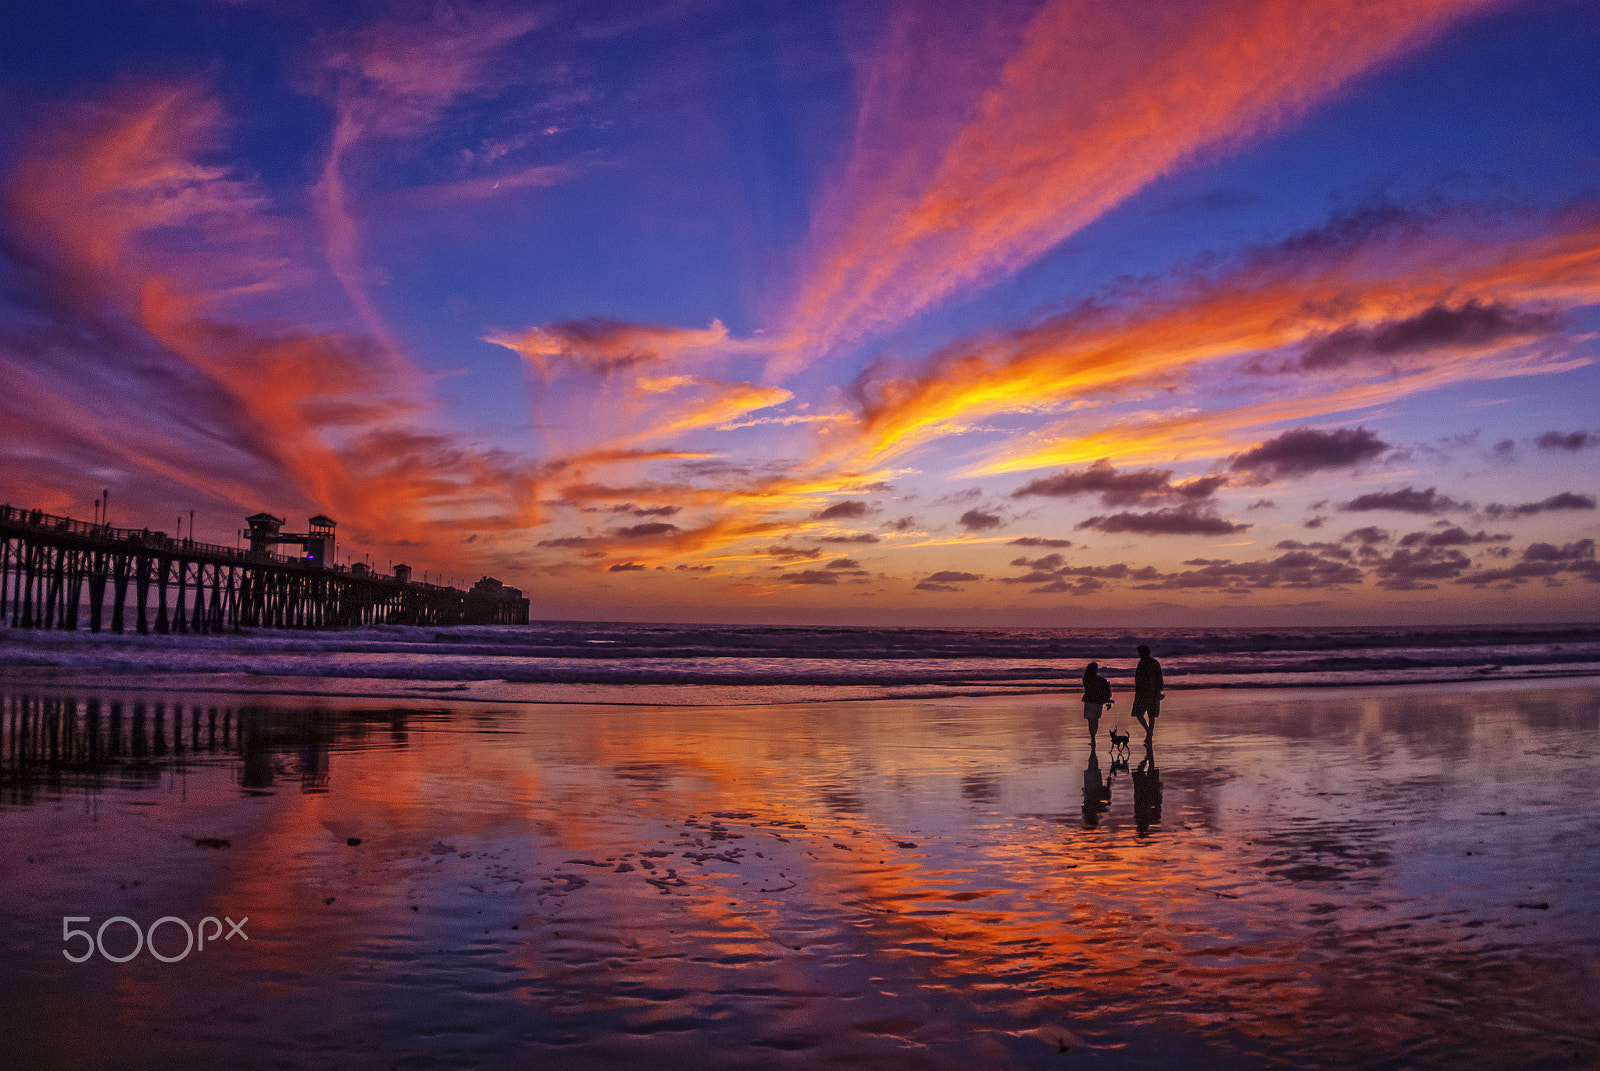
[61, 573]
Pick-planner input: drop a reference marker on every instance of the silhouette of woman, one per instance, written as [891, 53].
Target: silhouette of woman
[1096, 697]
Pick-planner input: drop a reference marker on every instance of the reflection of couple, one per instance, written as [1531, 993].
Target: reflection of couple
[1146, 791]
[1147, 695]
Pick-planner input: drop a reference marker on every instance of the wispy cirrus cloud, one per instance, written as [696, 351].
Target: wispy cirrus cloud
[483, 187]
[1093, 103]
[390, 81]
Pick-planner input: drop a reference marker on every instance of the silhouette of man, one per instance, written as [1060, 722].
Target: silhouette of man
[1147, 692]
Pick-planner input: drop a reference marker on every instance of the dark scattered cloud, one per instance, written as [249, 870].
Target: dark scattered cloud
[951, 576]
[1375, 221]
[1261, 503]
[928, 585]
[847, 510]
[1474, 325]
[844, 563]
[1177, 520]
[626, 567]
[1367, 536]
[646, 531]
[1081, 586]
[695, 568]
[786, 550]
[1298, 569]
[1303, 451]
[1313, 522]
[1564, 500]
[1452, 537]
[1417, 568]
[903, 524]
[859, 537]
[1039, 541]
[1569, 441]
[1581, 550]
[1057, 577]
[645, 511]
[1542, 561]
[976, 520]
[811, 576]
[1131, 488]
[1320, 566]
[1336, 551]
[1405, 500]
[1419, 561]
[568, 542]
[727, 471]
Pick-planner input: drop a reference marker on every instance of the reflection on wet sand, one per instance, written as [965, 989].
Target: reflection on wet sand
[1096, 792]
[1373, 879]
[1147, 791]
[59, 743]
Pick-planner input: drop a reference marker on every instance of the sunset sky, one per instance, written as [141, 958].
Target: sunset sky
[1057, 312]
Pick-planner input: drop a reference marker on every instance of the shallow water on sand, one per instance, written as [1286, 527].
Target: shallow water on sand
[1361, 878]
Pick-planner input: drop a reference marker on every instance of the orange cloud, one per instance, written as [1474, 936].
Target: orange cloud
[601, 347]
[236, 410]
[1271, 305]
[723, 402]
[1096, 102]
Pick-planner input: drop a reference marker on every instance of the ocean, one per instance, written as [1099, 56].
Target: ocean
[670, 664]
[602, 845]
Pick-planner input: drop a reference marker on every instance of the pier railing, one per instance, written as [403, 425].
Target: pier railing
[138, 537]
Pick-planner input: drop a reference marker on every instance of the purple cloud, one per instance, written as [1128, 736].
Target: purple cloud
[1303, 451]
[1405, 500]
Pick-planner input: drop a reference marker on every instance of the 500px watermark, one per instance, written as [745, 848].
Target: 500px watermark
[146, 938]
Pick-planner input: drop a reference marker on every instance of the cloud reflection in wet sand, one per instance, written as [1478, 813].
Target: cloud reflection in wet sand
[1333, 880]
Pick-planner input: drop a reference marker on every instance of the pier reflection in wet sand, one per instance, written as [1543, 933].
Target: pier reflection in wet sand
[1369, 878]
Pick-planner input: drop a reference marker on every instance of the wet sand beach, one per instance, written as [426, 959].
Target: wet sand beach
[1380, 877]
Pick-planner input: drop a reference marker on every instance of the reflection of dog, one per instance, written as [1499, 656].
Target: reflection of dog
[1119, 744]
